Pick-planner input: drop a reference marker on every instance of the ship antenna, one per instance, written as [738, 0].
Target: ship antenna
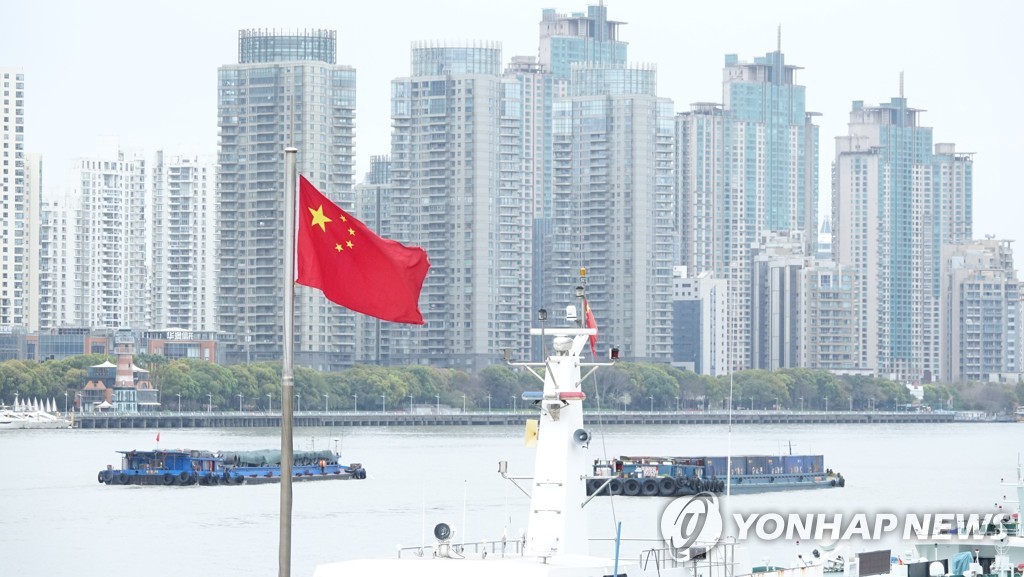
[465, 485]
[728, 457]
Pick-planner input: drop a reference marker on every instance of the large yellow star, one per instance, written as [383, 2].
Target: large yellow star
[319, 218]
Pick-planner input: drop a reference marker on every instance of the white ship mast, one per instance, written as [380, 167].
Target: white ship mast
[557, 523]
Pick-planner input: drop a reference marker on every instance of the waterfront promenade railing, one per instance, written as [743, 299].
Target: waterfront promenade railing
[250, 419]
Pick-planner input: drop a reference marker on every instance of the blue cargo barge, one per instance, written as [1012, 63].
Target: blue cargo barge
[196, 467]
[677, 476]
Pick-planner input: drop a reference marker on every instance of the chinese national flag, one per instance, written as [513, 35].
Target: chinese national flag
[354, 267]
[591, 324]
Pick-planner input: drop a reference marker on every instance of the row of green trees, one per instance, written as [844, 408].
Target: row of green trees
[197, 385]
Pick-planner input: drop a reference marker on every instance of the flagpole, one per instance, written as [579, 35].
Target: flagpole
[291, 179]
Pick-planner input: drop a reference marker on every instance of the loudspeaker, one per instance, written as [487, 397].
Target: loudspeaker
[581, 437]
[443, 532]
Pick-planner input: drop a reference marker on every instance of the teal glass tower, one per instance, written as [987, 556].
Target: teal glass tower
[578, 38]
[897, 199]
[747, 167]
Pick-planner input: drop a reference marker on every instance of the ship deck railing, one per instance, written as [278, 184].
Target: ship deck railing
[500, 547]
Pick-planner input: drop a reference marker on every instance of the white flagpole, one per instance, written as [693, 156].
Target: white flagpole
[287, 378]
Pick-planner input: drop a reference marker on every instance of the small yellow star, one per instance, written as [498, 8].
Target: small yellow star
[351, 232]
[349, 244]
[343, 219]
[339, 248]
[319, 218]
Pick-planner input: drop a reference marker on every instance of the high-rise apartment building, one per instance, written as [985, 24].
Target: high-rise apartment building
[565, 40]
[613, 204]
[108, 196]
[539, 88]
[831, 319]
[285, 90]
[379, 342]
[16, 203]
[981, 314]
[184, 243]
[57, 270]
[699, 317]
[456, 170]
[747, 166]
[34, 184]
[895, 203]
[779, 262]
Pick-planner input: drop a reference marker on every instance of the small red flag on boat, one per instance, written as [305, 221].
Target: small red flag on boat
[158, 437]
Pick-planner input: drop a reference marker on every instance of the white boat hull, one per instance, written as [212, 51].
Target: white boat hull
[10, 420]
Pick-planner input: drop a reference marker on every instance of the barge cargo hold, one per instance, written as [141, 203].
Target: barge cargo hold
[195, 467]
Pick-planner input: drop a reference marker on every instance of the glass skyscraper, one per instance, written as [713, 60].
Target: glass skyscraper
[747, 166]
[578, 38]
[896, 200]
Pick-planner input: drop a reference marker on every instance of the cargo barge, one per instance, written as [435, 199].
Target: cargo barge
[196, 467]
[678, 476]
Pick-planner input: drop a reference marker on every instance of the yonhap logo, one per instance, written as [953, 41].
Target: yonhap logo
[691, 526]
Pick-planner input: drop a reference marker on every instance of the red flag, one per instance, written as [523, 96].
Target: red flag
[354, 267]
[591, 324]
[158, 437]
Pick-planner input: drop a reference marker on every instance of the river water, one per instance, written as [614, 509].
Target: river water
[55, 519]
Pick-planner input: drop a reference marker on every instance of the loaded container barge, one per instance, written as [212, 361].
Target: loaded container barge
[197, 467]
[676, 476]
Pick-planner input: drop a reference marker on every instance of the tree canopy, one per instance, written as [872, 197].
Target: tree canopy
[625, 386]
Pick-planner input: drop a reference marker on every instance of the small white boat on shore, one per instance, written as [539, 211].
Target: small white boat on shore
[32, 415]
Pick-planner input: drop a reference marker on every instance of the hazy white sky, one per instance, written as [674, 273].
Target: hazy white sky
[146, 71]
